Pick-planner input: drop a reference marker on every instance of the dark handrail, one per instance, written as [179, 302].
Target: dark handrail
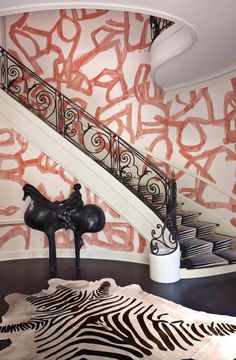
[120, 159]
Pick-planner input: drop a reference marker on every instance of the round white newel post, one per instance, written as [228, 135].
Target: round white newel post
[165, 267]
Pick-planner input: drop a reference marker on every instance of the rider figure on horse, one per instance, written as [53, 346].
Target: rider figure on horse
[70, 205]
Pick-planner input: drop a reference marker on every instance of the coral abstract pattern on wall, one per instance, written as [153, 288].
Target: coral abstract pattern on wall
[100, 59]
[21, 162]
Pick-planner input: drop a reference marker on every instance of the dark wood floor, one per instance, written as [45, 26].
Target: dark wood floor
[213, 294]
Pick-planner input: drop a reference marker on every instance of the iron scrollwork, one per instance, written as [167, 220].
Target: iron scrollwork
[141, 176]
[158, 234]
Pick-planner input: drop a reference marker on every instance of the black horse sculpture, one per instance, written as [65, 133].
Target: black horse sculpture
[47, 216]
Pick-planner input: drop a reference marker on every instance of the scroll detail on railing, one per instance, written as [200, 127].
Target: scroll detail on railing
[158, 25]
[125, 163]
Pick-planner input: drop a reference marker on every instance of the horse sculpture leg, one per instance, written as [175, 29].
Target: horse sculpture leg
[52, 252]
[78, 244]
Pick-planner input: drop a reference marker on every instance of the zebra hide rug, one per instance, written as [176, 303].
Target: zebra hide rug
[100, 320]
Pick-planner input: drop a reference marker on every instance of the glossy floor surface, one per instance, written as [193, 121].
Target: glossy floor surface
[213, 294]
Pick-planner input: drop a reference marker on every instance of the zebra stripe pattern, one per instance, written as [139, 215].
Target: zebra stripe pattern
[94, 324]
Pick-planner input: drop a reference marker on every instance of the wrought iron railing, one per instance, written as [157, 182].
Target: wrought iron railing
[158, 25]
[124, 162]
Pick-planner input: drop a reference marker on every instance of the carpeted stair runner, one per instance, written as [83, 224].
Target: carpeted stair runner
[220, 242]
[195, 246]
[186, 232]
[178, 220]
[203, 228]
[229, 255]
[200, 246]
[187, 216]
[203, 261]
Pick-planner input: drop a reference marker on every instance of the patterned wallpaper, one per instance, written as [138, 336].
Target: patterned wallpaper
[101, 60]
[21, 162]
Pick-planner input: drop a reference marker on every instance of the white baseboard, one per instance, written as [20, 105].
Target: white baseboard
[212, 271]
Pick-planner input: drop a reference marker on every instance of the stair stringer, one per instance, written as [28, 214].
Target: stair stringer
[73, 160]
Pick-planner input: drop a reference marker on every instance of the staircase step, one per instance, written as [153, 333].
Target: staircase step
[188, 216]
[195, 246]
[178, 207]
[203, 261]
[229, 255]
[178, 220]
[203, 228]
[142, 188]
[185, 232]
[157, 202]
[220, 242]
[156, 199]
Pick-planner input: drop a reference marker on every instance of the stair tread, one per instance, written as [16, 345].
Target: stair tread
[204, 260]
[188, 218]
[193, 242]
[187, 212]
[217, 237]
[229, 254]
[194, 246]
[185, 232]
[201, 224]
[185, 227]
[178, 220]
[191, 254]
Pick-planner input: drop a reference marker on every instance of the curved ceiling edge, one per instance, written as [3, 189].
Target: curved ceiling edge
[27, 6]
[182, 17]
[170, 43]
[185, 39]
[227, 72]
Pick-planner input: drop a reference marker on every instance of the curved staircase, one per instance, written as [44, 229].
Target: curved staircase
[201, 247]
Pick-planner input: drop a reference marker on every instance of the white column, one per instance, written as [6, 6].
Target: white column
[164, 267]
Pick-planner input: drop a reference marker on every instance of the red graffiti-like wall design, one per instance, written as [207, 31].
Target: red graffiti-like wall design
[18, 166]
[101, 60]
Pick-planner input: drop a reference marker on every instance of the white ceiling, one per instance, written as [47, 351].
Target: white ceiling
[211, 23]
